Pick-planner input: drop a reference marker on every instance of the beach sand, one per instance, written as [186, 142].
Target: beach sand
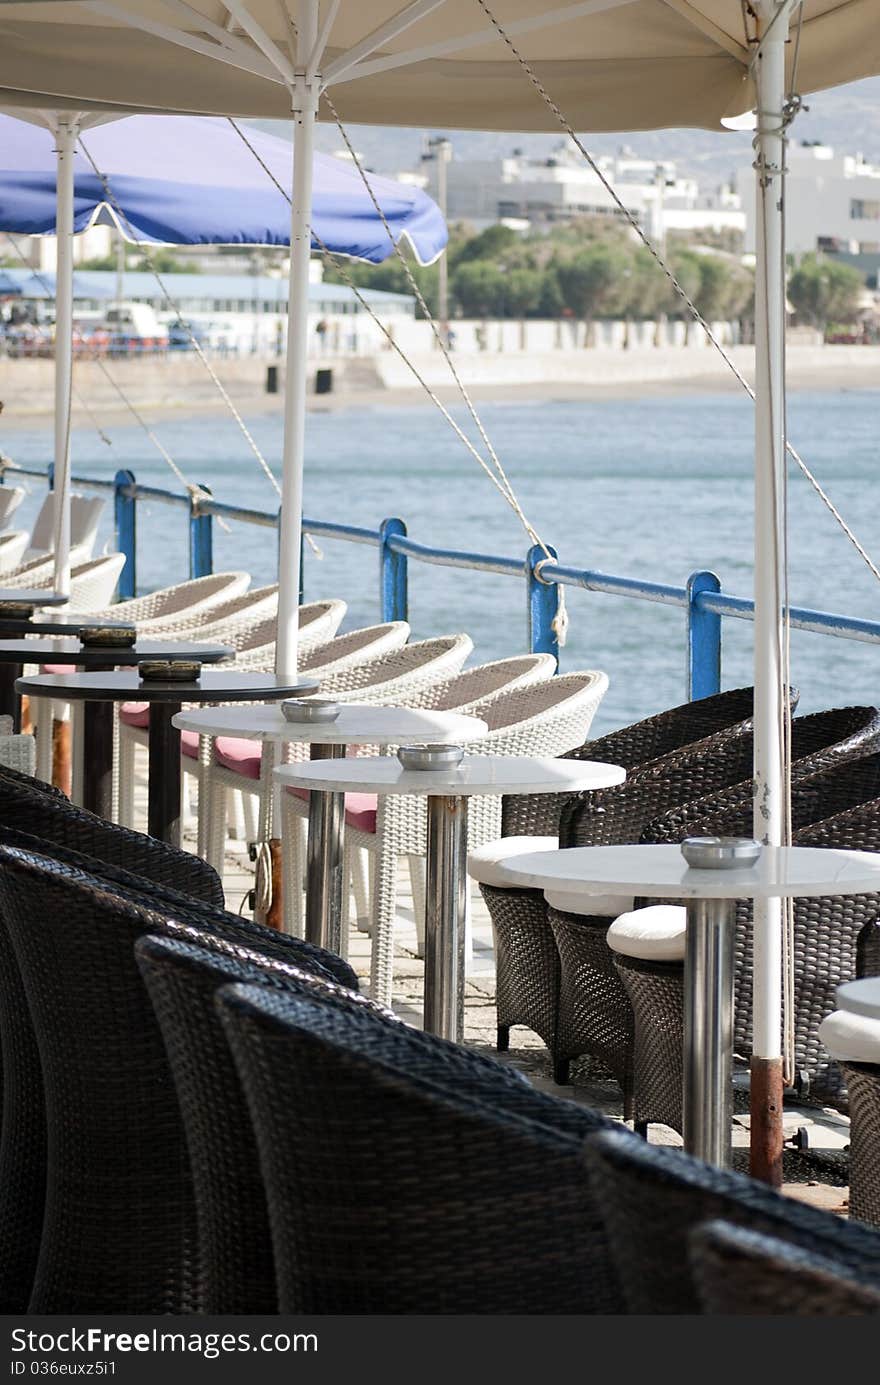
[177, 385]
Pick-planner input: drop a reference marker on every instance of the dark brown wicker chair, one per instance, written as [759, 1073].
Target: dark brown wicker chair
[863, 1086]
[396, 1185]
[118, 1228]
[836, 939]
[595, 1015]
[526, 953]
[182, 975]
[23, 1129]
[29, 805]
[653, 1197]
[538, 815]
[740, 1272]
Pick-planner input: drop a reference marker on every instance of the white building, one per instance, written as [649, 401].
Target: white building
[832, 202]
[562, 187]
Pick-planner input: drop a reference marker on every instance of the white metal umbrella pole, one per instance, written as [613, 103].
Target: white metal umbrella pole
[306, 91]
[770, 694]
[66, 132]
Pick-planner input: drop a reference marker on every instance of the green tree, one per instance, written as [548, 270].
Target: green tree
[589, 281]
[823, 291]
[479, 289]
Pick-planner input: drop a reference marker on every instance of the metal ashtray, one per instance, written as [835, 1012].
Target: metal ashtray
[169, 670]
[18, 610]
[430, 756]
[118, 636]
[310, 709]
[720, 853]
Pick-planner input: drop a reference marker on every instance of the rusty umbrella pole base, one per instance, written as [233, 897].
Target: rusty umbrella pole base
[765, 1105]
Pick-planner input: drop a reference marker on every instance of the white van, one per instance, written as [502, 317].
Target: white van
[135, 326]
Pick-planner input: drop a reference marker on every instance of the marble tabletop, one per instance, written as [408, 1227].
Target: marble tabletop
[357, 724]
[860, 997]
[662, 872]
[476, 774]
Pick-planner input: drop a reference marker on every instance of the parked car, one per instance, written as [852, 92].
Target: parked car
[182, 336]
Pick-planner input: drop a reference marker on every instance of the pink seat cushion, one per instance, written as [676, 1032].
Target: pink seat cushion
[135, 714]
[189, 744]
[55, 668]
[360, 809]
[241, 756]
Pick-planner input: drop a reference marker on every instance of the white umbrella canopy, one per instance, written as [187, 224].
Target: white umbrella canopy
[610, 64]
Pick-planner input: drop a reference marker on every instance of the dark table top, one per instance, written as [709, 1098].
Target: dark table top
[64, 622]
[215, 685]
[108, 656]
[31, 596]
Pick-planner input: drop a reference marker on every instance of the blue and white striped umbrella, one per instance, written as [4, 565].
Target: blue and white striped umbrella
[190, 180]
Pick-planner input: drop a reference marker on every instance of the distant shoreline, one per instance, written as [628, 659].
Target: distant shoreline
[180, 388]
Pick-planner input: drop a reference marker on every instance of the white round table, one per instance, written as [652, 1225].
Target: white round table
[357, 724]
[447, 791]
[661, 872]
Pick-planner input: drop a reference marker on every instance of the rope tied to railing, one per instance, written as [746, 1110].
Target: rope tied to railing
[559, 623]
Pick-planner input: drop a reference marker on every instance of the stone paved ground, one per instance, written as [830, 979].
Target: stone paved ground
[827, 1130]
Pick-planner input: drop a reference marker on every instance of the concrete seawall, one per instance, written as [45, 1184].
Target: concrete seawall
[180, 383]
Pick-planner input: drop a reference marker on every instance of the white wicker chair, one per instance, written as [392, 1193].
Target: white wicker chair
[250, 631]
[16, 752]
[545, 719]
[40, 572]
[351, 650]
[91, 586]
[12, 545]
[229, 618]
[10, 499]
[193, 599]
[85, 516]
[384, 679]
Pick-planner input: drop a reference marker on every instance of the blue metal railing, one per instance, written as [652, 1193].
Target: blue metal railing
[704, 603]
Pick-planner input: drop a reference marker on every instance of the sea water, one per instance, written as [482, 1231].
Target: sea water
[654, 488]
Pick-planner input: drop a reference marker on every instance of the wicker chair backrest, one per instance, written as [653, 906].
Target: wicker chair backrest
[417, 664]
[483, 681]
[652, 1198]
[634, 747]
[722, 761]
[743, 1273]
[475, 1201]
[518, 705]
[43, 811]
[182, 974]
[672, 729]
[119, 1228]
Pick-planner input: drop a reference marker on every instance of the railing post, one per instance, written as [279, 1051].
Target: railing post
[543, 598]
[125, 519]
[201, 538]
[703, 639]
[393, 593]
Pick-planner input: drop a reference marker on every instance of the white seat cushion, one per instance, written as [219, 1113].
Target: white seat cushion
[653, 934]
[486, 862]
[606, 906]
[850, 1036]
